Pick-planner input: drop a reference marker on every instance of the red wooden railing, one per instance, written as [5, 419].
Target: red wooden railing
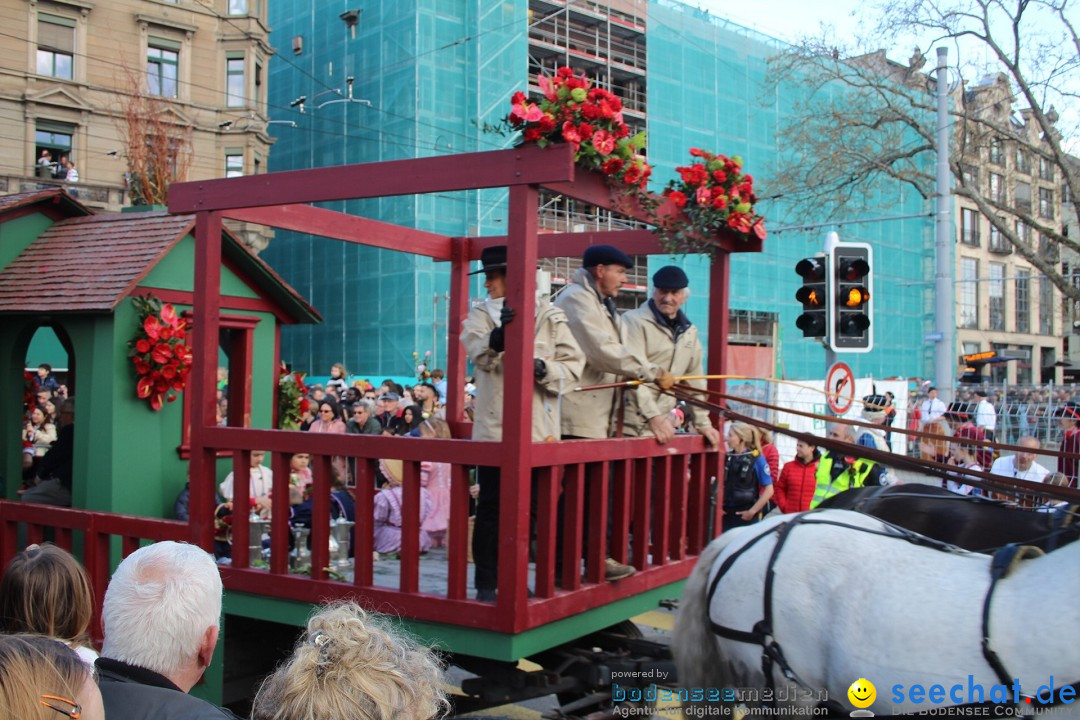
[659, 513]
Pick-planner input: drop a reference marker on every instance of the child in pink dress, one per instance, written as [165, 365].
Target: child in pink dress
[389, 503]
[435, 476]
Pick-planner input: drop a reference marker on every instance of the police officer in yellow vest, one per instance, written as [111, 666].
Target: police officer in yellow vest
[839, 471]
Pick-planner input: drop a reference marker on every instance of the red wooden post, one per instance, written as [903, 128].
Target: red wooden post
[363, 535]
[546, 516]
[206, 310]
[516, 458]
[597, 488]
[320, 515]
[455, 352]
[620, 511]
[410, 526]
[661, 504]
[573, 509]
[719, 297]
[642, 502]
[457, 535]
[279, 514]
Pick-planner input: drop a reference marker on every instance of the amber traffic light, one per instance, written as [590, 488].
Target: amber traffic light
[851, 308]
[814, 296]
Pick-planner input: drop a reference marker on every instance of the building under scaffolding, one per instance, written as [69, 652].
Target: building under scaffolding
[399, 81]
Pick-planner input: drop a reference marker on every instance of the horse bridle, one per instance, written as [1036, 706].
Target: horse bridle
[762, 632]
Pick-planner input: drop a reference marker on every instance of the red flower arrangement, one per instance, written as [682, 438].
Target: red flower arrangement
[293, 402]
[590, 119]
[713, 195]
[161, 357]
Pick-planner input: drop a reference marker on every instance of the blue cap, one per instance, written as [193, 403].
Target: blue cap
[670, 277]
[605, 255]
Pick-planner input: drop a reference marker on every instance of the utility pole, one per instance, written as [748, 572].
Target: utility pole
[944, 306]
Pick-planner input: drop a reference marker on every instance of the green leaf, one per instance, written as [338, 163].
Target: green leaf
[637, 141]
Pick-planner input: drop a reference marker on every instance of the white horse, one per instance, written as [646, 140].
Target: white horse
[851, 600]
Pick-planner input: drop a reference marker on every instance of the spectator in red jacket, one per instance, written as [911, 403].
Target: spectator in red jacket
[795, 486]
[769, 452]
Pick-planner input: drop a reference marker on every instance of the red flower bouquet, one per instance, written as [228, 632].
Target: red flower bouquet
[590, 119]
[293, 401]
[713, 195]
[161, 357]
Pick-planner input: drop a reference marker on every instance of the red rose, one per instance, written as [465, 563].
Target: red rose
[141, 366]
[518, 97]
[168, 372]
[719, 202]
[532, 134]
[142, 346]
[678, 198]
[612, 166]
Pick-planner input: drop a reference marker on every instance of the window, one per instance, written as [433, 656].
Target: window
[969, 227]
[997, 296]
[1066, 196]
[969, 293]
[997, 152]
[1022, 197]
[1046, 306]
[998, 243]
[1023, 232]
[55, 46]
[1023, 367]
[258, 165]
[1022, 163]
[1046, 203]
[234, 82]
[54, 137]
[238, 7]
[997, 188]
[999, 372]
[260, 98]
[970, 176]
[234, 163]
[162, 59]
[1023, 300]
[1046, 168]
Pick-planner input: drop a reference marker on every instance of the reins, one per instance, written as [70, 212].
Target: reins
[772, 653]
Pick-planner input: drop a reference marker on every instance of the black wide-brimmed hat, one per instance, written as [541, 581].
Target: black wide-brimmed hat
[492, 258]
[960, 410]
[1070, 410]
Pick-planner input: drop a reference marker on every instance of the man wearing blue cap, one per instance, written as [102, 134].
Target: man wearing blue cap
[589, 304]
[660, 332]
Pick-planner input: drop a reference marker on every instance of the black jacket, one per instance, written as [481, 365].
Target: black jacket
[134, 693]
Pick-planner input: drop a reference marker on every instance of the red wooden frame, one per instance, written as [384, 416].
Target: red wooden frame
[660, 493]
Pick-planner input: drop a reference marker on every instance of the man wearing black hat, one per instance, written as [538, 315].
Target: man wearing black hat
[557, 365]
[589, 303]
[660, 332]
[874, 410]
[1069, 420]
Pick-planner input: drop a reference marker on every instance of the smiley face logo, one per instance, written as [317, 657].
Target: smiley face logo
[862, 693]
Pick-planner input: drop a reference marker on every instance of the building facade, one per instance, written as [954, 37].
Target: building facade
[73, 72]
[1005, 305]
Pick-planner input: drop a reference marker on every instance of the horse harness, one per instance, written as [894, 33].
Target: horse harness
[1004, 561]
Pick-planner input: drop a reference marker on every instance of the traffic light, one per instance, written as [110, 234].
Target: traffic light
[814, 296]
[850, 298]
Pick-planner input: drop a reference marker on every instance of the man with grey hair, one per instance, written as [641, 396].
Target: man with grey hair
[160, 618]
[660, 333]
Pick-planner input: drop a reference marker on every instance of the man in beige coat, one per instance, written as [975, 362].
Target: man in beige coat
[557, 364]
[660, 332]
[589, 303]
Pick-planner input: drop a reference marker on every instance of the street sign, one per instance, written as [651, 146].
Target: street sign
[840, 388]
[934, 337]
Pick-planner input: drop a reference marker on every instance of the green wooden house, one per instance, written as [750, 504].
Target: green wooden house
[75, 272]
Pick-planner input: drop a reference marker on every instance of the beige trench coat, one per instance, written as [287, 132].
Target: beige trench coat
[591, 414]
[646, 337]
[554, 344]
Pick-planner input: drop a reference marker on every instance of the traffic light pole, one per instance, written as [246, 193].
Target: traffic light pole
[831, 239]
[944, 307]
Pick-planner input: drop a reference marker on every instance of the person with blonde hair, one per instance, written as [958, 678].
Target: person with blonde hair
[41, 679]
[748, 483]
[350, 664]
[46, 591]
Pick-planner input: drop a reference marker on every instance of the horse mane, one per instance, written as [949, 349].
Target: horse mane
[698, 660]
